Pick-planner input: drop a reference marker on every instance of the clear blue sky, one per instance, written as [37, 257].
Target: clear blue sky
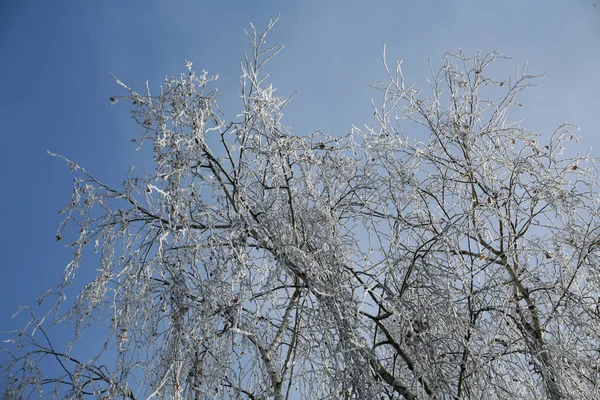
[56, 56]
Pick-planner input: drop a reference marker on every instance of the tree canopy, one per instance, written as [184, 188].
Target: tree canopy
[443, 252]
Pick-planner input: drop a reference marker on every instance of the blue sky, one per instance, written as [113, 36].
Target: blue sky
[56, 57]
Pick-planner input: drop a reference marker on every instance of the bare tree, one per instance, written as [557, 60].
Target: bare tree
[253, 263]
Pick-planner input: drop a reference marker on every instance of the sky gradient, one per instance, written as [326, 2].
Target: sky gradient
[56, 59]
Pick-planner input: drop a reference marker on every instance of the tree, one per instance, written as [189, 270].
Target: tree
[254, 263]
